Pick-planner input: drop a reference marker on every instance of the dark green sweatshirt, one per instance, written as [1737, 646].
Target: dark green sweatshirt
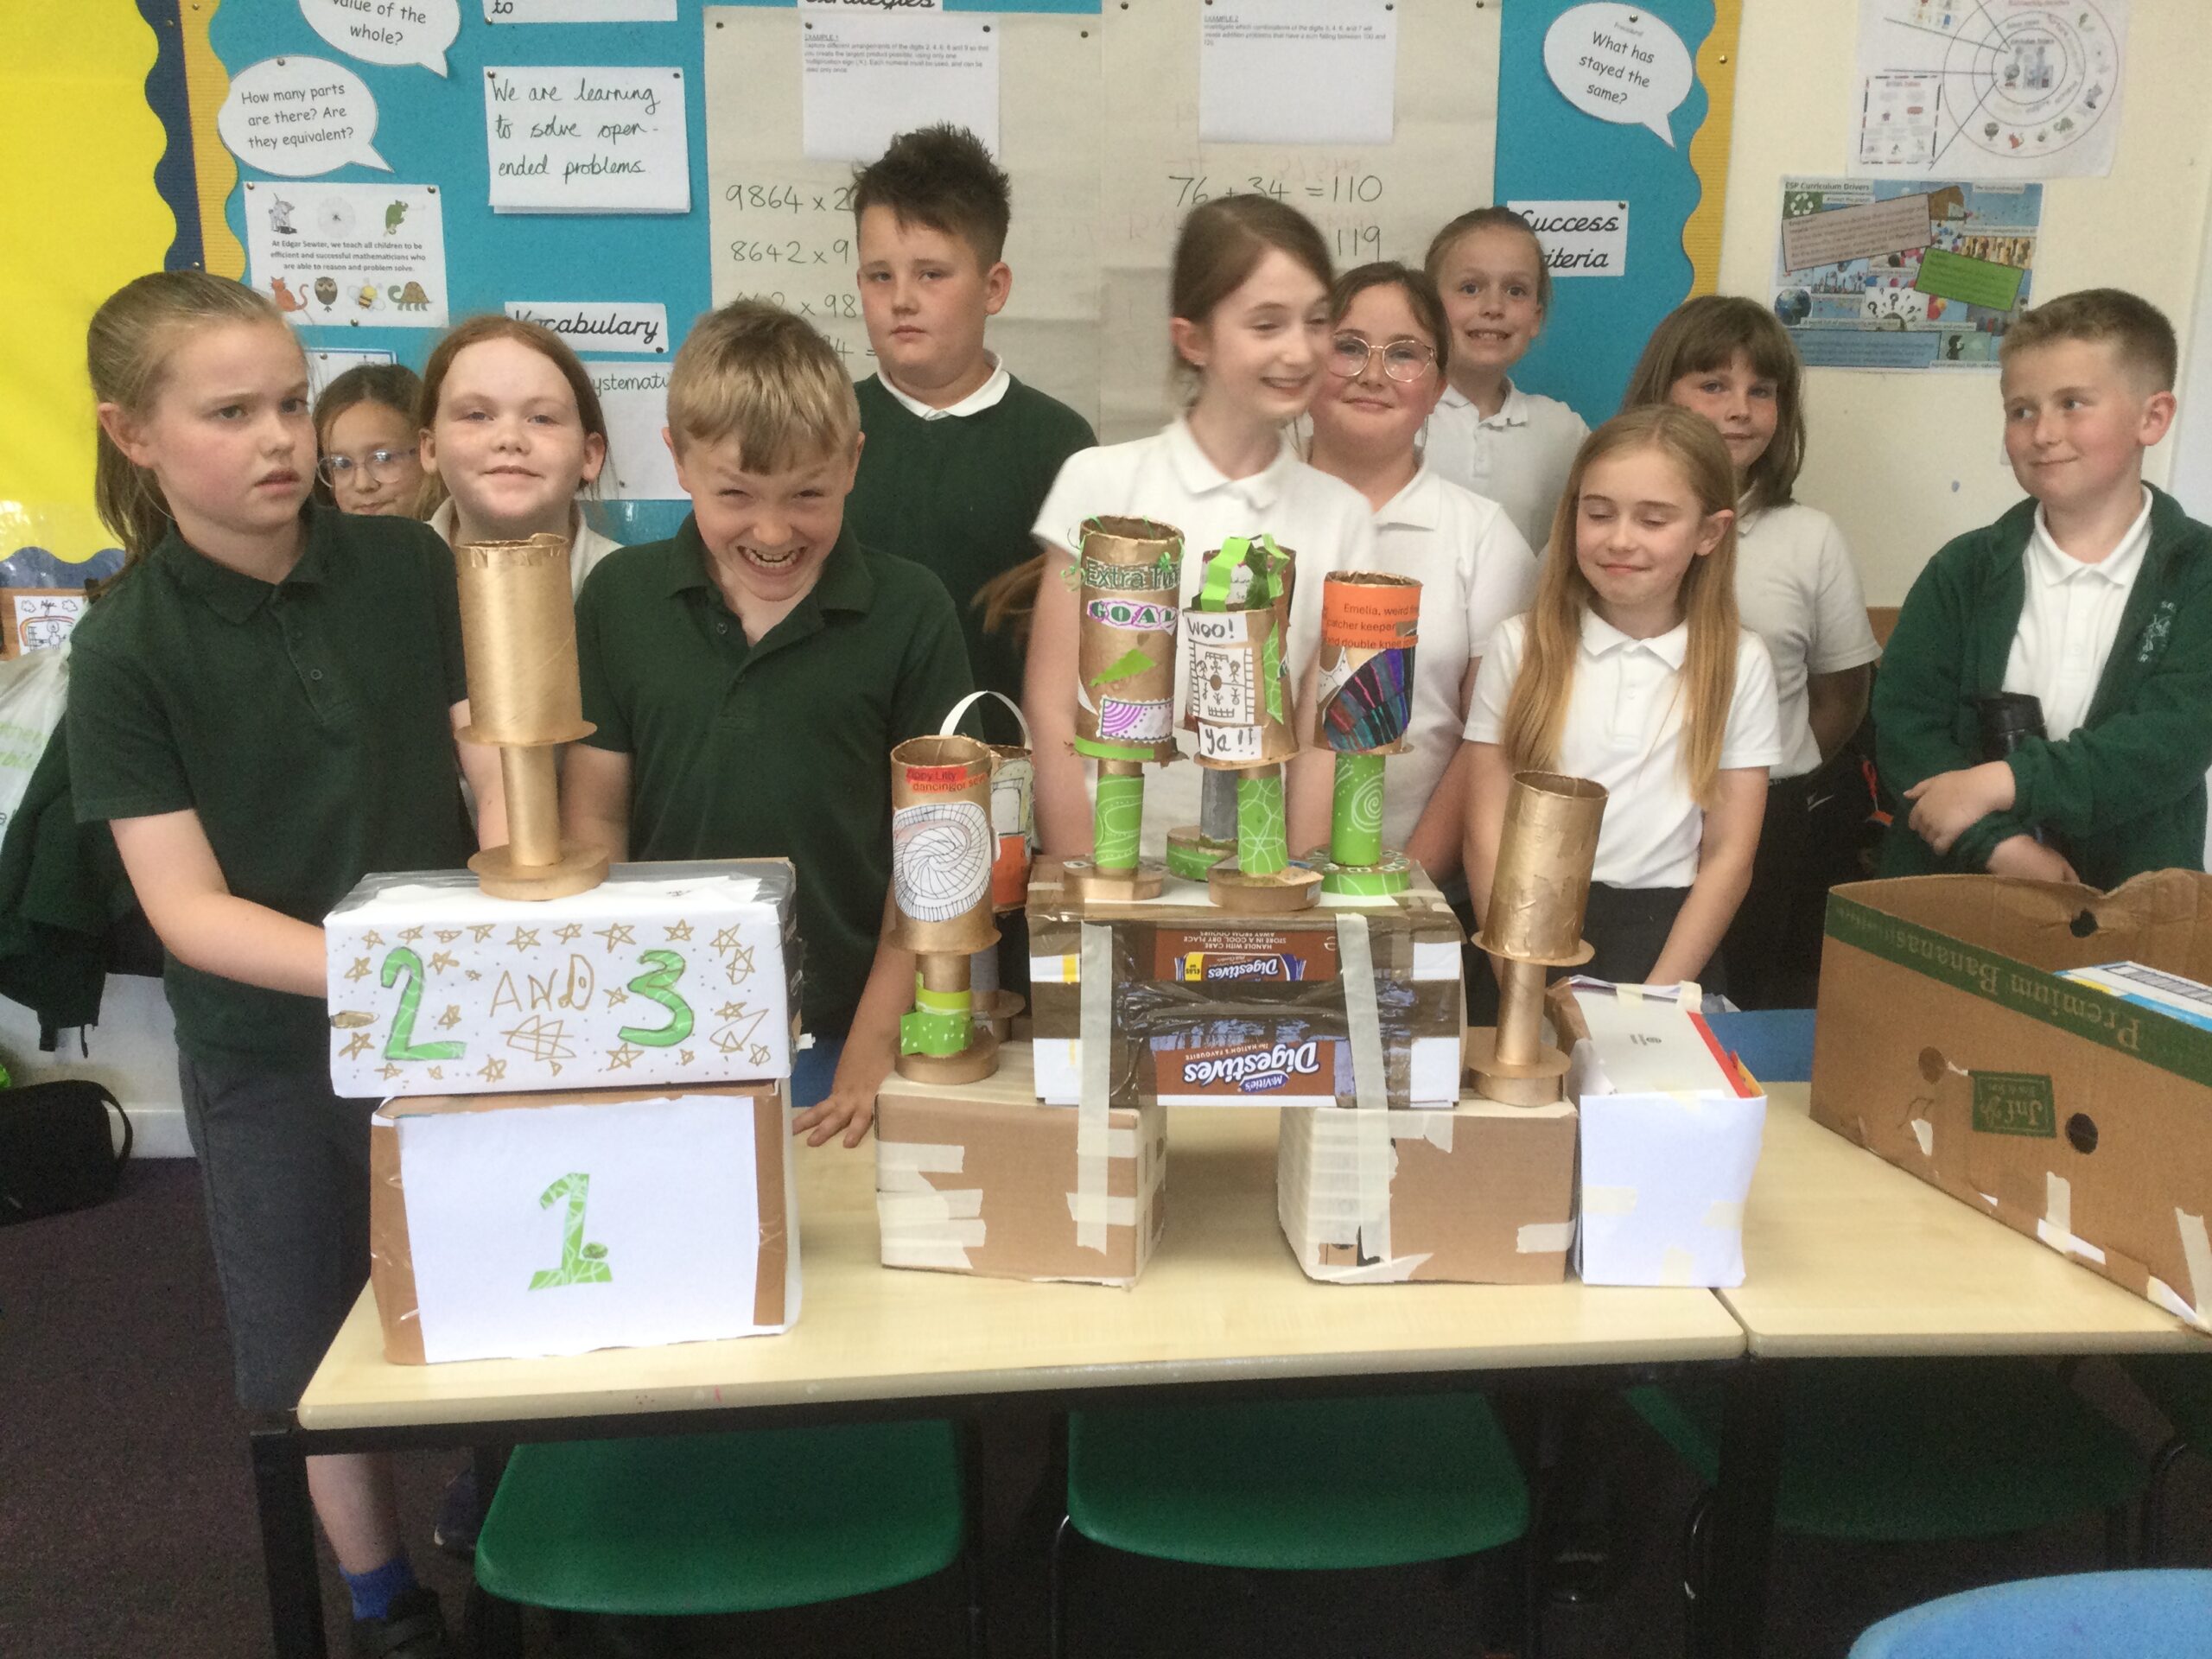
[2125, 791]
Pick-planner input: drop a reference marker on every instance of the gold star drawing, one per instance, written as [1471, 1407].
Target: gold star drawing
[568, 935]
[373, 938]
[480, 932]
[731, 1011]
[438, 1072]
[525, 938]
[472, 973]
[683, 1056]
[450, 1018]
[357, 1043]
[360, 969]
[622, 1059]
[615, 933]
[442, 961]
[447, 935]
[727, 1041]
[616, 996]
[556, 1066]
[409, 935]
[389, 1072]
[760, 1054]
[682, 931]
[727, 939]
[494, 1069]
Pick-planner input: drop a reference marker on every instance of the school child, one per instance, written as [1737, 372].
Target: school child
[959, 452]
[1731, 360]
[1631, 670]
[1249, 295]
[2093, 595]
[365, 431]
[1388, 354]
[511, 435]
[263, 709]
[1488, 436]
[749, 678]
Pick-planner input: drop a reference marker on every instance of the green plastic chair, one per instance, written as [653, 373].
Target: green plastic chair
[724, 1523]
[2180, 1385]
[1913, 1451]
[1299, 1486]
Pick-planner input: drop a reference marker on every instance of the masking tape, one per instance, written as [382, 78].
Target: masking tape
[1121, 1211]
[1092, 1137]
[1544, 1238]
[1436, 959]
[2056, 1228]
[1726, 1214]
[2161, 1294]
[1629, 993]
[927, 1205]
[1677, 1266]
[1692, 999]
[1608, 1200]
[1052, 971]
[1434, 1127]
[2196, 1250]
[1924, 1132]
[1370, 1090]
[1391, 1270]
[911, 1156]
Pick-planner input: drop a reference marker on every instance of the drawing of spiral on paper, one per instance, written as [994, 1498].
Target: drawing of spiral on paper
[941, 855]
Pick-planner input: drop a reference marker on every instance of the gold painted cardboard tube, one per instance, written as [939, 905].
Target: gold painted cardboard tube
[518, 633]
[1544, 857]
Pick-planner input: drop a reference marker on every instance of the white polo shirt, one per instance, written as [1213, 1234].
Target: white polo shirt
[587, 547]
[1519, 457]
[1474, 571]
[2068, 620]
[1168, 478]
[1798, 590]
[1624, 729]
[990, 395]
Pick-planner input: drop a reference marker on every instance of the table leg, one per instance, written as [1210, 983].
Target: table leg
[280, 1487]
[1732, 1622]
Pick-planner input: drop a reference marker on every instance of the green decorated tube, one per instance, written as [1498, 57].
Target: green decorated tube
[1117, 820]
[1355, 812]
[1262, 835]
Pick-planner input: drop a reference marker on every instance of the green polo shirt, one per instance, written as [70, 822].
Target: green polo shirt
[779, 749]
[308, 722]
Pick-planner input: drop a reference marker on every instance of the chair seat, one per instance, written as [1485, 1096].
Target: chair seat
[2180, 1385]
[1307, 1484]
[1900, 1452]
[2081, 1616]
[723, 1523]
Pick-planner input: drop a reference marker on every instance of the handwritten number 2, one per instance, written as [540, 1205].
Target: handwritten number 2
[402, 1046]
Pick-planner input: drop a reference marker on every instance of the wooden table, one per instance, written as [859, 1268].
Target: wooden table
[1849, 1256]
[1223, 1306]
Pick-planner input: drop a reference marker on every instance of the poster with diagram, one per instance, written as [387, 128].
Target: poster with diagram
[364, 254]
[1887, 274]
[1988, 89]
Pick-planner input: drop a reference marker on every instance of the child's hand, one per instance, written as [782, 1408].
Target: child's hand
[2025, 856]
[1948, 804]
[844, 1108]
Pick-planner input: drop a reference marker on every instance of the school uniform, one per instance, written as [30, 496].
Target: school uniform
[778, 748]
[587, 546]
[1168, 478]
[308, 724]
[957, 489]
[1519, 457]
[2125, 788]
[1623, 730]
[1798, 590]
[1474, 571]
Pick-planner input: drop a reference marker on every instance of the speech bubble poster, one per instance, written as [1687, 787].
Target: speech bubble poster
[387, 31]
[300, 117]
[1619, 63]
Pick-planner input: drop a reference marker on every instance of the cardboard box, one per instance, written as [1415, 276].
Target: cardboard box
[978, 1178]
[662, 974]
[1948, 1043]
[1481, 1194]
[1213, 1009]
[510, 1226]
[1671, 1132]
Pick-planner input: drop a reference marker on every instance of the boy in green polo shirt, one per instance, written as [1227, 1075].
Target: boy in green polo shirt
[749, 678]
[960, 454]
[2094, 596]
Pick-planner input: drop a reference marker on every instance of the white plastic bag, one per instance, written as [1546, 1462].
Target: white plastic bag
[34, 691]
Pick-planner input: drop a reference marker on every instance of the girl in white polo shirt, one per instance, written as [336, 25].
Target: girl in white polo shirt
[1730, 361]
[1249, 293]
[1488, 436]
[1389, 353]
[1632, 670]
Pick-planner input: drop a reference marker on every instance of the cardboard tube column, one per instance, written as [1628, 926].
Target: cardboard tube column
[1533, 921]
[518, 634]
[1371, 625]
[1129, 577]
[942, 850]
[1193, 849]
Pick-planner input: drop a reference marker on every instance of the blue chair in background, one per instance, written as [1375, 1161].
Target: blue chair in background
[2080, 1615]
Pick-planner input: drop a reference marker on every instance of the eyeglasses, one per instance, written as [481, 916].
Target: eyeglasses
[377, 465]
[1403, 361]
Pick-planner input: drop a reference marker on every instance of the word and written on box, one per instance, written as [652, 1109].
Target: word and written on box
[662, 974]
[510, 1226]
[1481, 1194]
[978, 1178]
[2037, 1053]
[1671, 1132]
[1210, 1009]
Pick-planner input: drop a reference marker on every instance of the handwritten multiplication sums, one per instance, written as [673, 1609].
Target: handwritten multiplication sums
[790, 198]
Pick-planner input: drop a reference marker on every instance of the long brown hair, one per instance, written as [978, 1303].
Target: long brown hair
[1536, 713]
[127, 354]
[491, 326]
[1707, 332]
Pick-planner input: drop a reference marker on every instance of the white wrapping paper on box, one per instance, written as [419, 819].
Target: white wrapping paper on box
[1670, 1137]
[662, 974]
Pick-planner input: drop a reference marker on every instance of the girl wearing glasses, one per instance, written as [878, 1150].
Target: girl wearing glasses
[1389, 353]
[365, 429]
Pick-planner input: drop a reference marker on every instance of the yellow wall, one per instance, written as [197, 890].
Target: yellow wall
[1905, 461]
[83, 219]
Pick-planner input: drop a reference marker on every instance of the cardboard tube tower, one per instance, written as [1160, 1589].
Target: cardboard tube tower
[1370, 624]
[942, 850]
[518, 634]
[1534, 922]
[1240, 702]
[1130, 573]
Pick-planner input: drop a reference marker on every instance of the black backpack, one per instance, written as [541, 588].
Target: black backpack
[56, 1153]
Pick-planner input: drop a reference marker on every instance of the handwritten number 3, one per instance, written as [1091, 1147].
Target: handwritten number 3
[660, 986]
[402, 1045]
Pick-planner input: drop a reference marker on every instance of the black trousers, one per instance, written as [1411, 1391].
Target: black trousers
[1808, 842]
[1628, 928]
